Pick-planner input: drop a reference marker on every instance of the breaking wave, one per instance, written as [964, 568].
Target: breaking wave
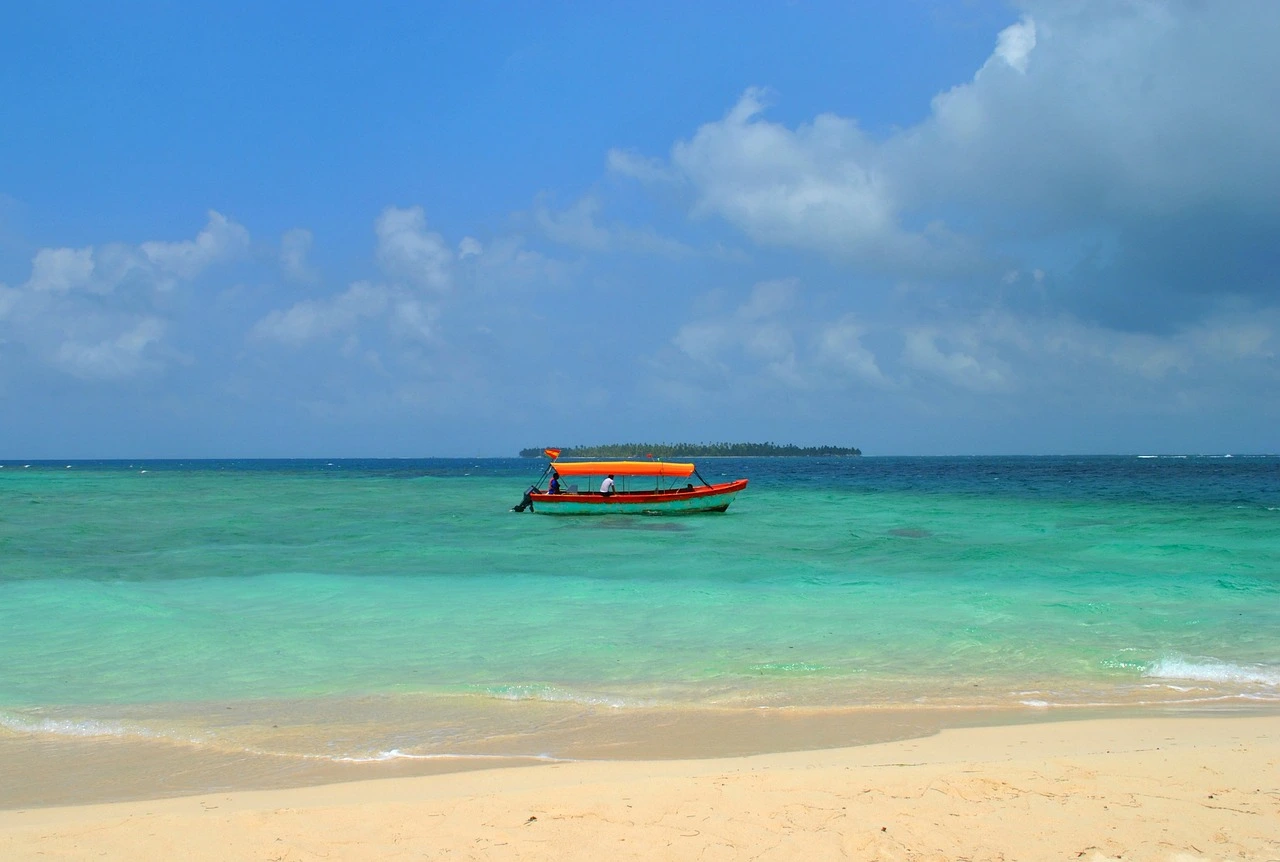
[1212, 671]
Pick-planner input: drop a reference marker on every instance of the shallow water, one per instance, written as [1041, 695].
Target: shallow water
[375, 609]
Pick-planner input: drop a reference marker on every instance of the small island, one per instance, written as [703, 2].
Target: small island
[665, 451]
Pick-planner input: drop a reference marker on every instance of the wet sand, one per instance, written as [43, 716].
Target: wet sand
[1192, 787]
[56, 769]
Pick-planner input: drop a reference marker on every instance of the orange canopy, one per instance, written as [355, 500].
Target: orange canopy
[621, 468]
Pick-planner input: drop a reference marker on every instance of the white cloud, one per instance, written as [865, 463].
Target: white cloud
[151, 265]
[1234, 339]
[8, 300]
[756, 339]
[507, 265]
[630, 164]
[840, 345]
[816, 187]
[578, 226]
[421, 268]
[416, 319]
[958, 367]
[1062, 358]
[1097, 108]
[101, 270]
[769, 299]
[119, 355]
[295, 246]
[422, 273]
[820, 187]
[93, 312]
[1141, 123]
[772, 339]
[316, 318]
[407, 250]
[220, 240]
[1014, 44]
[1150, 358]
[60, 270]
[575, 226]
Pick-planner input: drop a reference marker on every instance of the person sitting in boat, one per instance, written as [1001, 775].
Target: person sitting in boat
[554, 487]
[606, 487]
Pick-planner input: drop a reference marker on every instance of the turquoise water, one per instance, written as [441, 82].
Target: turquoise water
[402, 602]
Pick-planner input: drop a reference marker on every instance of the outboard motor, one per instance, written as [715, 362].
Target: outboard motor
[527, 502]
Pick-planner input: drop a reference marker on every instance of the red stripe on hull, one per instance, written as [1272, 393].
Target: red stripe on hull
[595, 498]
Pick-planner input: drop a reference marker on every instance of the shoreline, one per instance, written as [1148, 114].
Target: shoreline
[50, 770]
[1151, 787]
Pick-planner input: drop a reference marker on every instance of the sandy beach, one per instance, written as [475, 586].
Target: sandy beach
[1167, 788]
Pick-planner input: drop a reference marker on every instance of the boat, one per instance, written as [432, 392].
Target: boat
[672, 491]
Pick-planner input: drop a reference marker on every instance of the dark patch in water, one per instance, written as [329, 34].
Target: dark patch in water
[661, 526]
[1237, 586]
[910, 533]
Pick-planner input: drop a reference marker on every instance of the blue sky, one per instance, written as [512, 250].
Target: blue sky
[460, 229]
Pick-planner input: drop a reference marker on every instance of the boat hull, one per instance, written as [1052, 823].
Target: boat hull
[710, 498]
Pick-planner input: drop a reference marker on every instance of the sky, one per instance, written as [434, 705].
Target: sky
[460, 229]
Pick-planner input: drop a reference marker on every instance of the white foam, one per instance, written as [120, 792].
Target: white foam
[90, 728]
[552, 694]
[1209, 670]
[69, 727]
[397, 754]
[788, 667]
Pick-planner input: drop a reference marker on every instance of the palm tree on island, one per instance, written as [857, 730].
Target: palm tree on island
[663, 451]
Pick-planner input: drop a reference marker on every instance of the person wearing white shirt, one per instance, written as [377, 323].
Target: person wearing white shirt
[606, 487]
